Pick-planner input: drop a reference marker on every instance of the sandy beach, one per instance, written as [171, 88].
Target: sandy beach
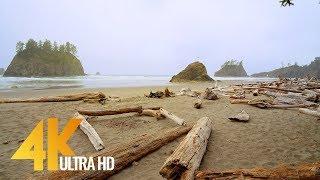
[270, 138]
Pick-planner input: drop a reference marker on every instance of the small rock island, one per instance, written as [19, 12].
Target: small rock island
[43, 59]
[195, 71]
[232, 68]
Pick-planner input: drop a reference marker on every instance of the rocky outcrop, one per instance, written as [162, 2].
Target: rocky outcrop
[1, 71]
[44, 64]
[236, 70]
[195, 71]
[295, 71]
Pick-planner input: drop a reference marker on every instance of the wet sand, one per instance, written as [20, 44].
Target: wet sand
[271, 137]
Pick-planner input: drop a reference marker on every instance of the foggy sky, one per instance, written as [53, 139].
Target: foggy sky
[161, 37]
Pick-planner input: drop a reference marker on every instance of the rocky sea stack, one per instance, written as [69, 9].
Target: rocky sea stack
[44, 60]
[195, 71]
[232, 68]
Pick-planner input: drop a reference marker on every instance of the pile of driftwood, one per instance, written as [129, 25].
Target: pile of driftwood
[160, 94]
[280, 94]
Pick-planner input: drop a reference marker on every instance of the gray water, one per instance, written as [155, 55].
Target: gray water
[95, 81]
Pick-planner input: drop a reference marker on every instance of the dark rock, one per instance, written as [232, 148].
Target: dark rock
[43, 64]
[195, 71]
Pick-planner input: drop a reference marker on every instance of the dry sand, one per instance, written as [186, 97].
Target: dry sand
[271, 137]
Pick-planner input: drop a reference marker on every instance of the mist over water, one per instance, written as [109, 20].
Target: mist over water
[97, 81]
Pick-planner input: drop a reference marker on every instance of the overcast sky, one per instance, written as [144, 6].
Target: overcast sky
[161, 37]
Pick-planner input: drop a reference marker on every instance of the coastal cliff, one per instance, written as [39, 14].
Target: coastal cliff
[231, 68]
[195, 71]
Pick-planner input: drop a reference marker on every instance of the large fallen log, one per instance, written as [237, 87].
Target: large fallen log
[173, 117]
[90, 132]
[152, 113]
[124, 154]
[111, 112]
[187, 157]
[73, 97]
[281, 89]
[306, 171]
[310, 112]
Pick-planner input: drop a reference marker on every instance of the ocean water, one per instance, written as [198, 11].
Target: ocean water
[94, 81]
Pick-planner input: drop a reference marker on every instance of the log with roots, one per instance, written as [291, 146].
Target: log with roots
[124, 154]
[310, 112]
[187, 157]
[243, 116]
[305, 171]
[90, 132]
[73, 97]
[167, 93]
[111, 112]
[173, 117]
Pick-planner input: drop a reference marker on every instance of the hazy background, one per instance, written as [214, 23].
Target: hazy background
[162, 37]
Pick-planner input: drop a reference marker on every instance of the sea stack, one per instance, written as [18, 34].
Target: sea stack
[231, 68]
[44, 60]
[1, 71]
[195, 71]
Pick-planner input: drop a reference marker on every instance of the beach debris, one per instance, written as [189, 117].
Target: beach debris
[90, 132]
[124, 154]
[186, 158]
[304, 171]
[72, 97]
[152, 113]
[188, 92]
[160, 94]
[255, 92]
[173, 117]
[242, 117]
[310, 112]
[209, 94]
[198, 104]
[111, 112]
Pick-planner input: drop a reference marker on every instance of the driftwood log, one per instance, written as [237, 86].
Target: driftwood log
[124, 154]
[173, 117]
[310, 112]
[187, 157]
[111, 112]
[73, 97]
[90, 132]
[306, 171]
[152, 113]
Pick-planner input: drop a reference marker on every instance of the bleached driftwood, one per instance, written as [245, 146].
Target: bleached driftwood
[198, 104]
[186, 158]
[256, 92]
[188, 92]
[152, 113]
[243, 116]
[172, 117]
[111, 112]
[90, 132]
[310, 112]
[73, 97]
[123, 154]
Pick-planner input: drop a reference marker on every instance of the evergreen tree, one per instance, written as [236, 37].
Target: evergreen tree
[31, 45]
[62, 48]
[55, 46]
[19, 47]
[40, 44]
[47, 45]
[74, 50]
[68, 47]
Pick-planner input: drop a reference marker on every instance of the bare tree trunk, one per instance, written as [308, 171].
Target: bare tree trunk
[187, 157]
[111, 112]
[124, 155]
[90, 132]
[73, 97]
